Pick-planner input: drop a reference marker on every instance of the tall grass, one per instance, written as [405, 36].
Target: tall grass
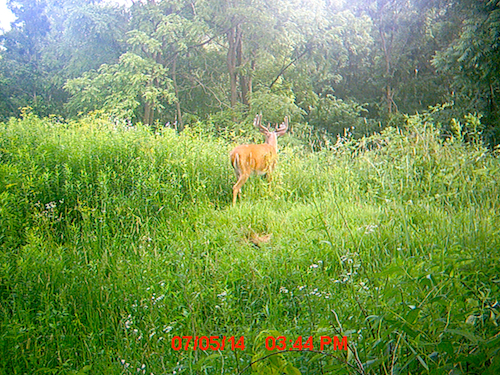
[115, 239]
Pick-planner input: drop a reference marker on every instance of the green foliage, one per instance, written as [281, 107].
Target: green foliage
[122, 89]
[114, 240]
[335, 115]
[276, 104]
[84, 35]
[472, 60]
[335, 64]
[50, 42]
[437, 168]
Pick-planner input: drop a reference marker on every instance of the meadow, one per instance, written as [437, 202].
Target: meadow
[116, 239]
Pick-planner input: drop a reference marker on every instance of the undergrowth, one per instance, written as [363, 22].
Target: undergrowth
[115, 240]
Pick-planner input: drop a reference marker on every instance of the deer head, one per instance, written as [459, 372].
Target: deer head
[260, 158]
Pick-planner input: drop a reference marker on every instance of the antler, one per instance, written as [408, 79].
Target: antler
[279, 130]
[283, 127]
[258, 123]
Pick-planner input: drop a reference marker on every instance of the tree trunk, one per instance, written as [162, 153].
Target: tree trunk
[245, 82]
[176, 88]
[231, 64]
[389, 93]
[148, 113]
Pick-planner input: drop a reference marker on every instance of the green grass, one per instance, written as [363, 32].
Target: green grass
[114, 240]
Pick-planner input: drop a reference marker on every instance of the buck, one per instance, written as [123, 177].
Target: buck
[259, 159]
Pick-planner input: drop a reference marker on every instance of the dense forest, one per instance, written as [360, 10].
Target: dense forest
[333, 64]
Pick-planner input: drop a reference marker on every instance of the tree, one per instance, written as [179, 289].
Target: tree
[145, 80]
[21, 57]
[124, 89]
[404, 45]
[50, 41]
[84, 35]
[256, 38]
[472, 61]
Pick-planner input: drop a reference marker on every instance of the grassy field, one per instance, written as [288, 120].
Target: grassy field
[115, 240]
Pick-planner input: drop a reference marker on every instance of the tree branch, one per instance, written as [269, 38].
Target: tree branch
[287, 66]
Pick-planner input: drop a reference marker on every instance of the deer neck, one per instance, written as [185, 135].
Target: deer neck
[272, 140]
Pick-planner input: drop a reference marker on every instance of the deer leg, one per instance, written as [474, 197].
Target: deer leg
[237, 187]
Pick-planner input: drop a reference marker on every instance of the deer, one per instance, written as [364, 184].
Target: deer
[256, 158]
